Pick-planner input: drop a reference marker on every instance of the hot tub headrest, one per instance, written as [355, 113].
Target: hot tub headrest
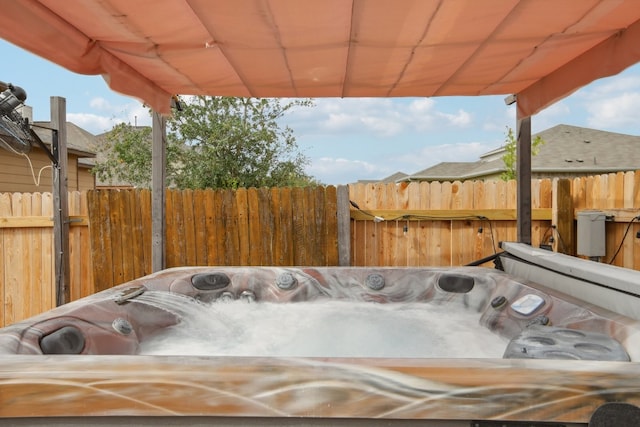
[66, 340]
[456, 283]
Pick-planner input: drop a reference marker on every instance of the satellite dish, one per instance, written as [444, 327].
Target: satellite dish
[15, 133]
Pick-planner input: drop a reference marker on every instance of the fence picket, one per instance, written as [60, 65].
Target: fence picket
[126, 248]
[217, 202]
[75, 245]
[18, 289]
[27, 284]
[170, 230]
[231, 230]
[200, 228]
[299, 229]
[209, 241]
[264, 241]
[287, 229]
[85, 280]
[319, 226]
[331, 227]
[248, 224]
[144, 207]
[189, 233]
[47, 255]
[278, 243]
[255, 228]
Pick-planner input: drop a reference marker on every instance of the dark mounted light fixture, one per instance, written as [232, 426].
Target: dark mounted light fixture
[11, 98]
[15, 133]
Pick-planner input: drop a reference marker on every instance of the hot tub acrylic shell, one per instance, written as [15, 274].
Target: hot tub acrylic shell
[108, 378]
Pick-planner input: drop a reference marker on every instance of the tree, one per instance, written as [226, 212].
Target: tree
[238, 142]
[126, 152]
[215, 142]
[510, 155]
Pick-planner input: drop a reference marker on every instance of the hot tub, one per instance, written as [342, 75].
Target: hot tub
[320, 346]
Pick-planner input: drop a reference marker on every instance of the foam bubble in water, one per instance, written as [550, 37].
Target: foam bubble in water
[328, 329]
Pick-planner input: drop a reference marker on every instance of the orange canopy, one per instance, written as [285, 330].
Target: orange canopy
[541, 50]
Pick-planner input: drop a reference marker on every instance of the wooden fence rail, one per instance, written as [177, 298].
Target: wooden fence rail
[437, 224]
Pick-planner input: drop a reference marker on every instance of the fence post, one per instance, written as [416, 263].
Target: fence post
[344, 224]
[158, 193]
[562, 217]
[60, 199]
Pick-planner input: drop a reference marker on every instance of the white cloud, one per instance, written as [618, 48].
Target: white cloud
[104, 115]
[92, 122]
[100, 103]
[422, 105]
[432, 155]
[551, 116]
[611, 85]
[137, 114]
[500, 121]
[386, 126]
[330, 170]
[378, 117]
[614, 112]
[340, 122]
[612, 103]
[554, 114]
[460, 119]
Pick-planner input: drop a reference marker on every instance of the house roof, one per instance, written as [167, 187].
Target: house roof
[394, 177]
[541, 50]
[566, 149]
[445, 171]
[79, 141]
[398, 176]
[572, 148]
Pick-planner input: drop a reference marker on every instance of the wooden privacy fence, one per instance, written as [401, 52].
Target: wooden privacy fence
[439, 224]
[431, 224]
[26, 253]
[265, 226]
[454, 223]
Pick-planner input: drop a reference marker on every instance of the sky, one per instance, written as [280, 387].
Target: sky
[351, 139]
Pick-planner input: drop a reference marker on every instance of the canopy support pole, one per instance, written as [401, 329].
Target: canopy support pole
[523, 177]
[60, 199]
[158, 205]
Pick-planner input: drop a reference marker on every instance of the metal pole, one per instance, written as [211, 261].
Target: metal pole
[523, 172]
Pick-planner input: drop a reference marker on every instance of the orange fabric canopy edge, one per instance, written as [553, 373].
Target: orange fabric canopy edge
[541, 50]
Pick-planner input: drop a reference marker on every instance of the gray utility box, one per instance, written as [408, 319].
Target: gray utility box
[591, 233]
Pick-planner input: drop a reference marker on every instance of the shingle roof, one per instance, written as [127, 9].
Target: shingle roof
[391, 178]
[566, 149]
[578, 149]
[447, 170]
[79, 141]
[394, 177]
